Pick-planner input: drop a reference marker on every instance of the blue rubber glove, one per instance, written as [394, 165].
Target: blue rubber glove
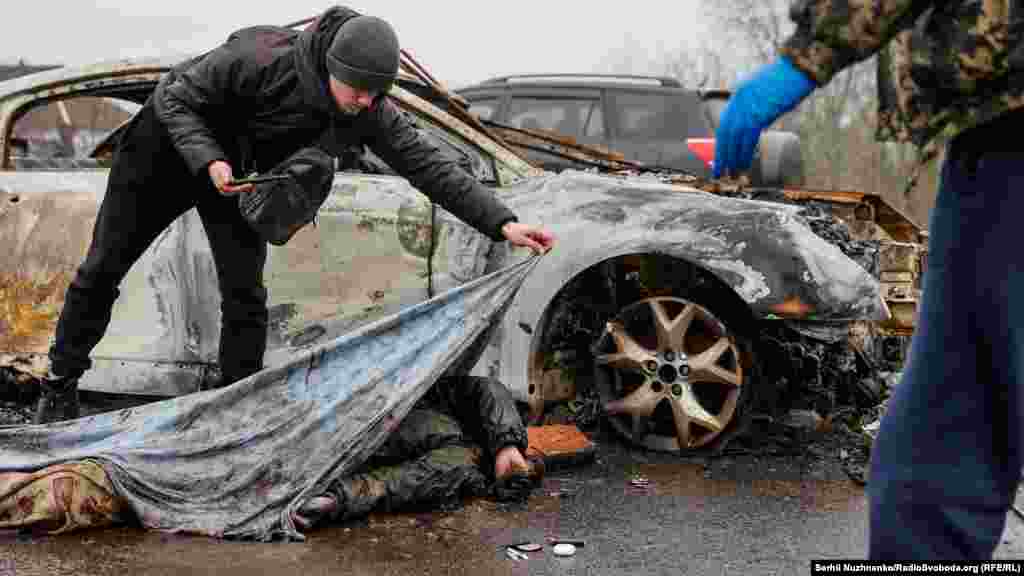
[771, 92]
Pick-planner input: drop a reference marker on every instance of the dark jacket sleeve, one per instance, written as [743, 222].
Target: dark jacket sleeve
[393, 137]
[484, 408]
[833, 34]
[189, 97]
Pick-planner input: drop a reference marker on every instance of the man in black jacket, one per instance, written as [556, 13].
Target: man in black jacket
[247, 106]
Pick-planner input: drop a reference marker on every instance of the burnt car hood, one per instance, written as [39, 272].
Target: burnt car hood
[764, 250]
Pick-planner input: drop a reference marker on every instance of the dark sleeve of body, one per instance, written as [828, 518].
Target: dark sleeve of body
[485, 409]
[206, 89]
[394, 138]
[831, 35]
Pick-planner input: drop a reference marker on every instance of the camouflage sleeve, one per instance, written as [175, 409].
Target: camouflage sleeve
[833, 34]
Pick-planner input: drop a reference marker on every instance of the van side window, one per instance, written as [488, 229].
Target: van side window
[575, 117]
[644, 117]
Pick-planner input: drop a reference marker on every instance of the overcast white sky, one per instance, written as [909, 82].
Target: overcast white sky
[461, 42]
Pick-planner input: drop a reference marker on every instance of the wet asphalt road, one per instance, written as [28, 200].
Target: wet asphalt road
[743, 515]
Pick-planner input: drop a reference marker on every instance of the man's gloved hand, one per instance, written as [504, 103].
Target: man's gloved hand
[771, 92]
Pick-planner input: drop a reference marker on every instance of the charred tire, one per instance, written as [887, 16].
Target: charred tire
[674, 365]
[671, 375]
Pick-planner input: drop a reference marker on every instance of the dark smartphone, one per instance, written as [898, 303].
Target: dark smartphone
[259, 179]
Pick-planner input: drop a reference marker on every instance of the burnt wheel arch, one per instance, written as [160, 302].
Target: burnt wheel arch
[562, 350]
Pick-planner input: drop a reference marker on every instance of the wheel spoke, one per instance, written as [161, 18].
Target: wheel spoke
[619, 360]
[672, 332]
[688, 408]
[715, 375]
[704, 366]
[682, 422]
[640, 402]
[629, 354]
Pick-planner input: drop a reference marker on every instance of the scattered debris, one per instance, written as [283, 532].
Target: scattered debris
[872, 428]
[574, 541]
[14, 414]
[564, 549]
[529, 547]
[514, 554]
[807, 420]
[563, 487]
[559, 446]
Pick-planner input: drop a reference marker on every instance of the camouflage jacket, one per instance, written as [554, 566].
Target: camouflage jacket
[944, 65]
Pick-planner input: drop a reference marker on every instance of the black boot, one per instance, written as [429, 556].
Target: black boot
[58, 400]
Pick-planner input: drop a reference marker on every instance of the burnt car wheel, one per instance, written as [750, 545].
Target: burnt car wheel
[670, 374]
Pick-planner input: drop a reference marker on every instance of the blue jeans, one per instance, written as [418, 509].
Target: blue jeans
[947, 460]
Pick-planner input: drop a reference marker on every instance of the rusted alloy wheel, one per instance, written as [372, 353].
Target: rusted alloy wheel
[669, 373]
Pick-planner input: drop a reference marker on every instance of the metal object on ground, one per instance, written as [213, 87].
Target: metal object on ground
[528, 547]
[514, 554]
[574, 541]
[564, 549]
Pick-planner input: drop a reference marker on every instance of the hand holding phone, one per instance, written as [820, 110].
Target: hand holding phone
[259, 179]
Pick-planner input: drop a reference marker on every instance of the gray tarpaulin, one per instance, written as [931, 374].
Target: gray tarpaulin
[234, 462]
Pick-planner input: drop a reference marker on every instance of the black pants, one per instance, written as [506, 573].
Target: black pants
[149, 187]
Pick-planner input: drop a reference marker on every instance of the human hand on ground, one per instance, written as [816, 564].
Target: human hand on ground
[509, 460]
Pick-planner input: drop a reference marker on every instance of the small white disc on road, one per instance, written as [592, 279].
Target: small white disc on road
[564, 549]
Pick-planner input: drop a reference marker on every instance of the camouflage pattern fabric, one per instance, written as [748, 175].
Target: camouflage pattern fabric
[60, 498]
[440, 478]
[944, 66]
[443, 451]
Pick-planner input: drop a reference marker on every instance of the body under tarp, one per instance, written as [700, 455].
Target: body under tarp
[235, 462]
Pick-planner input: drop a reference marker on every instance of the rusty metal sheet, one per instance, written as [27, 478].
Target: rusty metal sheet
[564, 146]
[234, 462]
[899, 257]
[508, 160]
[846, 197]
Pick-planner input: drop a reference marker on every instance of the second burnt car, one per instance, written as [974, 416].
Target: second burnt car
[682, 303]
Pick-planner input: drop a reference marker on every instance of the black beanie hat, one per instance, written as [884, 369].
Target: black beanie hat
[364, 54]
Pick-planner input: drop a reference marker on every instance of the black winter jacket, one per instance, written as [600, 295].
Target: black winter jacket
[263, 94]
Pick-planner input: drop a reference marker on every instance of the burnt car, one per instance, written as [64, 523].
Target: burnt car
[684, 303]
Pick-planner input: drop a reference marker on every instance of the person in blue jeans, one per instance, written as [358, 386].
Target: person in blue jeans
[947, 460]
